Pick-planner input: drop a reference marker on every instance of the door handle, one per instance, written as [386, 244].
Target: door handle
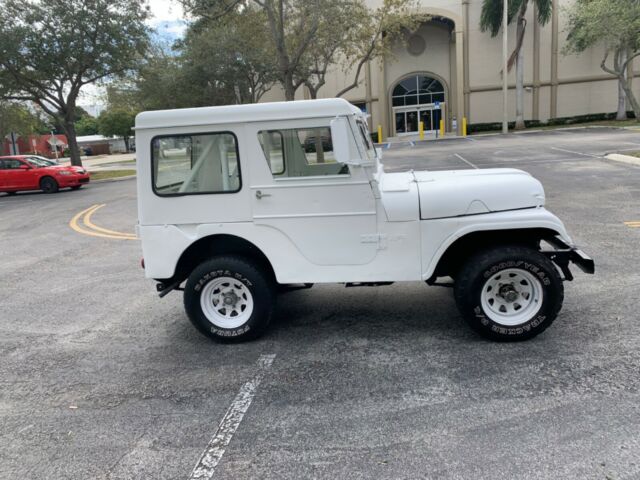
[259, 194]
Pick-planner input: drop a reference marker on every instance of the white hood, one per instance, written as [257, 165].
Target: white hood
[454, 193]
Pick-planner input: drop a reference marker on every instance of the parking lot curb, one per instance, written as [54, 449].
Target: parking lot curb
[618, 157]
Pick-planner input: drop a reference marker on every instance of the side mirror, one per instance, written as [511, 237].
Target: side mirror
[24, 167]
[340, 133]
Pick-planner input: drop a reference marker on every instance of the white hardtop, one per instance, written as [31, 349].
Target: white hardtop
[255, 112]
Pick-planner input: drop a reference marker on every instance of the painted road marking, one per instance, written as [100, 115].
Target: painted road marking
[91, 229]
[230, 422]
[576, 153]
[465, 160]
[633, 224]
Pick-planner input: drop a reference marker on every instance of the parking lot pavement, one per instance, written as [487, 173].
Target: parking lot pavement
[101, 379]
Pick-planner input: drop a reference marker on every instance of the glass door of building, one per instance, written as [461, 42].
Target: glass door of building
[407, 118]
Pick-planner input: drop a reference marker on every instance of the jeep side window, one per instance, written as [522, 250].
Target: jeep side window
[199, 163]
[302, 152]
[272, 145]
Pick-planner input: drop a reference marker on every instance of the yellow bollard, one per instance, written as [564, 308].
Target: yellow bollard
[464, 126]
[421, 130]
[442, 128]
[379, 133]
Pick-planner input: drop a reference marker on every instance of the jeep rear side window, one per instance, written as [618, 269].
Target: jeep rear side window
[302, 152]
[198, 163]
[272, 145]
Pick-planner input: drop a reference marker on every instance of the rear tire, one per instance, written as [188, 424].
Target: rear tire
[229, 299]
[48, 185]
[509, 293]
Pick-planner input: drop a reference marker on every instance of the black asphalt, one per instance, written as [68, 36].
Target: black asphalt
[99, 378]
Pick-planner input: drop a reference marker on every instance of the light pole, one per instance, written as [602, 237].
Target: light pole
[505, 77]
[55, 144]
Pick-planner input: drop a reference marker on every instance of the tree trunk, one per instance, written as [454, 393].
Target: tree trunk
[70, 130]
[520, 76]
[126, 143]
[635, 106]
[622, 97]
[289, 89]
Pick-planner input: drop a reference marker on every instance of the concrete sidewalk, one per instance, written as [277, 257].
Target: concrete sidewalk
[106, 162]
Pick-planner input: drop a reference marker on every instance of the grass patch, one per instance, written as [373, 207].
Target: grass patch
[103, 174]
[632, 154]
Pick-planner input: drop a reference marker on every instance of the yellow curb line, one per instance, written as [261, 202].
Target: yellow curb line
[73, 223]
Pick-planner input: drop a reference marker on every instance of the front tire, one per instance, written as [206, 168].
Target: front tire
[48, 185]
[229, 299]
[509, 293]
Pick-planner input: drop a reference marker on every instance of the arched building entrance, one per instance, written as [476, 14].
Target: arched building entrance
[418, 97]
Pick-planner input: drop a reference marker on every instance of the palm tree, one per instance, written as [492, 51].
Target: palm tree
[491, 20]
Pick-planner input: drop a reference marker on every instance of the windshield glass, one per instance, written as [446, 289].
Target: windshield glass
[366, 139]
[40, 162]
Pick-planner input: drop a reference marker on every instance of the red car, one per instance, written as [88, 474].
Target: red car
[30, 172]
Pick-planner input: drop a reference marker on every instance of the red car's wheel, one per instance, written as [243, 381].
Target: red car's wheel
[48, 185]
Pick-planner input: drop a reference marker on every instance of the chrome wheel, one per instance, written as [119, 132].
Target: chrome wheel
[511, 297]
[226, 302]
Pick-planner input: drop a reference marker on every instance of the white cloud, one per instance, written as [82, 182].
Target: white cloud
[165, 11]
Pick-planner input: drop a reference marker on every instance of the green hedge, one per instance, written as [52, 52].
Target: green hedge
[592, 117]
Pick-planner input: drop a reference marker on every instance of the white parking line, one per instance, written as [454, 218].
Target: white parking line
[230, 422]
[576, 153]
[465, 160]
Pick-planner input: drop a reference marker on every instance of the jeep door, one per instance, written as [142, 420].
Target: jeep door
[325, 209]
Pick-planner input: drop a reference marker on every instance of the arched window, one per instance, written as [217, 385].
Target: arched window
[417, 90]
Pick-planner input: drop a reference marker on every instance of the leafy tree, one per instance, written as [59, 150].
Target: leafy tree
[17, 117]
[87, 126]
[616, 25]
[491, 20]
[230, 55]
[117, 123]
[50, 49]
[308, 37]
[376, 31]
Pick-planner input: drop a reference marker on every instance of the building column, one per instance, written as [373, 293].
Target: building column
[368, 96]
[535, 107]
[460, 110]
[467, 86]
[553, 110]
[383, 99]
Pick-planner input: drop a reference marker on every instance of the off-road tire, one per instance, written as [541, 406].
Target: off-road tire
[48, 185]
[254, 278]
[484, 265]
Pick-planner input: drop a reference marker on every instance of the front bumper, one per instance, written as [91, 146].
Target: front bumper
[565, 254]
[73, 180]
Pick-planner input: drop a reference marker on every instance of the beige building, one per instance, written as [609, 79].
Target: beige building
[449, 69]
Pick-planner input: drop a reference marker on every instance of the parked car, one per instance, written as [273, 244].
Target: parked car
[233, 219]
[30, 172]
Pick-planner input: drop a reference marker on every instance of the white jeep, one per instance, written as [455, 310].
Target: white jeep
[241, 202]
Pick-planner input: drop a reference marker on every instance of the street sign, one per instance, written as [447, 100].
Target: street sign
[436, 105]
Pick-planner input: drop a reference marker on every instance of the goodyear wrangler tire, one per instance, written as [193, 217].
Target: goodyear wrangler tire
[228, 298]
[509, 293]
